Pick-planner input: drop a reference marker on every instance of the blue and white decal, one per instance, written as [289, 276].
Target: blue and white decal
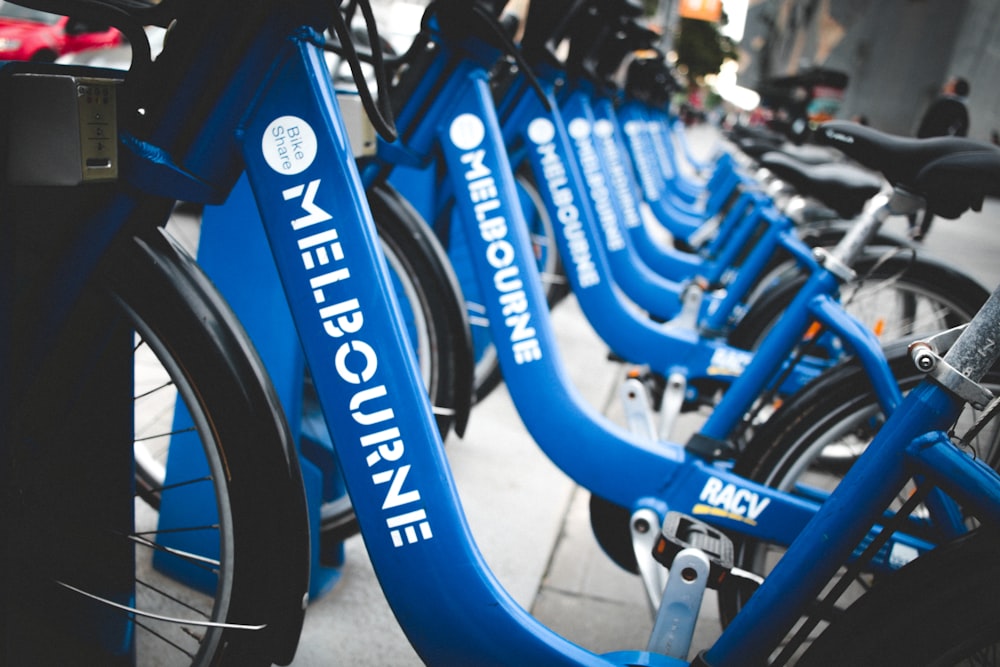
[289, 147]
[467, 133]
[718, 498]
[542, 133]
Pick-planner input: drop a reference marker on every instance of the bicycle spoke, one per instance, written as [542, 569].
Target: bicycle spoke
[165, 434]
[166, 385]
[171, 597]
[208, 564]
[158, 617]
[166, 640]
[176, 485]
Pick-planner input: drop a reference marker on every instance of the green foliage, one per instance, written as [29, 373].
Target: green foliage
[701, 49]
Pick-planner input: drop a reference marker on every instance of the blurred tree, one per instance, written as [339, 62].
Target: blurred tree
[701, 48]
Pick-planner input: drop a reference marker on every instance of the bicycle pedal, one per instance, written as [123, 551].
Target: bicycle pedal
[680, 531]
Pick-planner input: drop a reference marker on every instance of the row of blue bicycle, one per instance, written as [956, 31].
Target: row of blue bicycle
[222, 424]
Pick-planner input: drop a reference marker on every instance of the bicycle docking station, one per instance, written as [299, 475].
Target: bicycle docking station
[58, 164]
[63, 366]
[697, 557]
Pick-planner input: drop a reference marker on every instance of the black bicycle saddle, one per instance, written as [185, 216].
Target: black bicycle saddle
[953, 174]
[841, 187]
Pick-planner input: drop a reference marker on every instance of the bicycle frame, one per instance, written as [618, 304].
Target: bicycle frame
[675, 349]
[392, 459]
[279, 112]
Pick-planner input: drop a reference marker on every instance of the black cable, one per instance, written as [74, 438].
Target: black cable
[507, 45]
[826, 604]
[121, 15]
[504, 40]
[379, 112]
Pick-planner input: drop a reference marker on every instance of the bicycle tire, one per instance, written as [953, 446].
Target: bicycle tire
[940, 610]
[177, 312]
[933, 296]
[816, 435]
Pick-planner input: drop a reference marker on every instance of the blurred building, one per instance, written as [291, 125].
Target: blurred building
[896, 54]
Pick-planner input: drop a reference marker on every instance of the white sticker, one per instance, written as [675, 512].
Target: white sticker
[289, 145]
[579, 128]
[467, 132]
[603, 128]
[541, 131]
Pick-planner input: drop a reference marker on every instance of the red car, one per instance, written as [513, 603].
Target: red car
[28, 34]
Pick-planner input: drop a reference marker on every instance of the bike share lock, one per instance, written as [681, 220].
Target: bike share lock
[681, 532]
[63, 130]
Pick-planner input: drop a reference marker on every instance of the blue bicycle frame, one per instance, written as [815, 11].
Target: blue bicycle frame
[588, 448]
[673, 349]
[452, 609]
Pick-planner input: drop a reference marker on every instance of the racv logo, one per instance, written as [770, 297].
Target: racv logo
[729, 501]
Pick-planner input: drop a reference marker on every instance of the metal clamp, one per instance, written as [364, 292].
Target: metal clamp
[926, 356]
[831, 263]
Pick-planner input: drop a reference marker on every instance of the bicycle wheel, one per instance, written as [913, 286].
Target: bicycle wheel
[812, 440]
[940, 610]
[897, 295]
[201, 397]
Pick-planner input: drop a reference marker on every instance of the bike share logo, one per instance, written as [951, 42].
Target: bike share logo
[833, 135]
[730, 502]
[542, 133]
[289, 147]
[600, 194]
[467, 133]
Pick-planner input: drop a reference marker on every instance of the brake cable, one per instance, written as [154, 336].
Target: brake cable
[379, 111]
[504, 41]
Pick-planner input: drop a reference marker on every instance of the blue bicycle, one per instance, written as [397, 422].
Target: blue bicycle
[387, 439]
